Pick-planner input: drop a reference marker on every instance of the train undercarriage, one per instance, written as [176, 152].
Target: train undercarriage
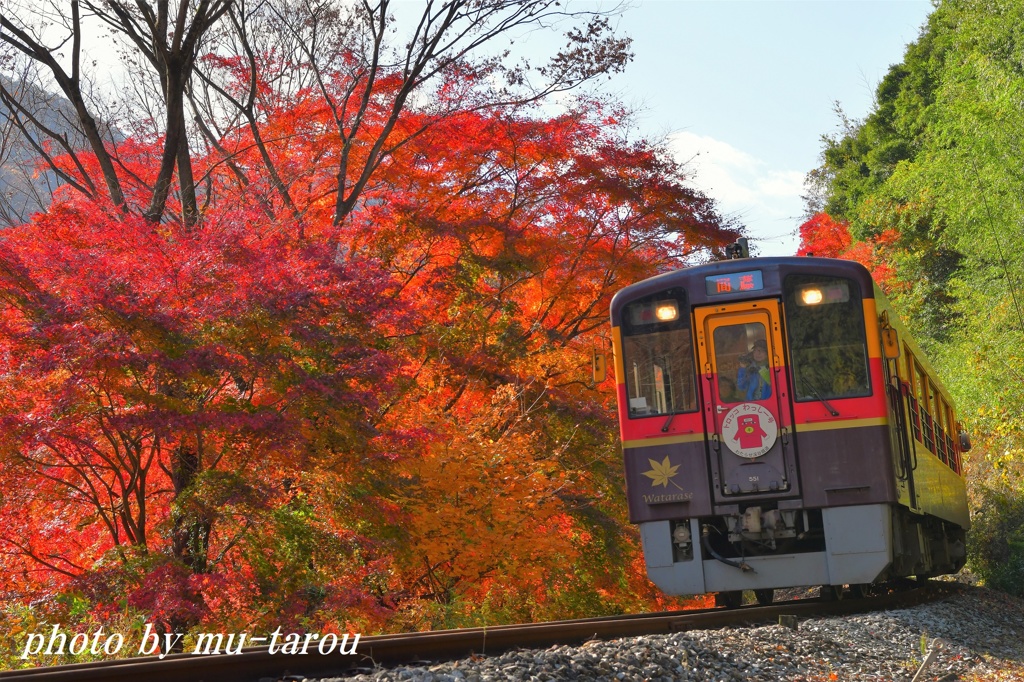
[761, 548]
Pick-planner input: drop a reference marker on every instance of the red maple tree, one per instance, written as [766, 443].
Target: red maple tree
[270, 417]
[826, 237]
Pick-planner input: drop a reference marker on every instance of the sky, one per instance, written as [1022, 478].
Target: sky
[744, 91]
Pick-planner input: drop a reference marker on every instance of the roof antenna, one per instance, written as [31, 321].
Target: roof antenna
[738, 249]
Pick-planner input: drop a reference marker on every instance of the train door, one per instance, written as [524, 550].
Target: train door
[746, 400]
[899, 397]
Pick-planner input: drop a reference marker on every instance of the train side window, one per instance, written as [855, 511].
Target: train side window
[925, 403]
[940, 429]
[949, 430]
[827, 342]
[658, 357]
[921, 387]
[908, 369]
[933, 413]
[952, 443]
[913, 381]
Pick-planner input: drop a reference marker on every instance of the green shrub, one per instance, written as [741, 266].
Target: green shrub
[995, 547]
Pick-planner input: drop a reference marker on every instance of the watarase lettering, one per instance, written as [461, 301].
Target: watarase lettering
[666, 499]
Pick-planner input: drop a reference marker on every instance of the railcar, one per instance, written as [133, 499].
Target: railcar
[781, 428]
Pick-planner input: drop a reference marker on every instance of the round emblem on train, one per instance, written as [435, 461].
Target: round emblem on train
[749, 430]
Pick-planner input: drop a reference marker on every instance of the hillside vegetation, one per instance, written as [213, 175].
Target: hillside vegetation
[929, 187]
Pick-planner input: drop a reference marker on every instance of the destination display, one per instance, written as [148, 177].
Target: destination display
[733, 282]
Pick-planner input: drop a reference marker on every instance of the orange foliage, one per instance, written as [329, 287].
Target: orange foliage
[391, 419]
[825, 237]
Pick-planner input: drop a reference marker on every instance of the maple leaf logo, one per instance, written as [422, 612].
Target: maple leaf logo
[661, 472]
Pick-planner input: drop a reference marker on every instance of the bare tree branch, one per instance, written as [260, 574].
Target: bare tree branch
[19, 37]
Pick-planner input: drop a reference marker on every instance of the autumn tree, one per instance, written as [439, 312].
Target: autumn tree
[341, 56]
[456, 321]
[340, 51]
[825, 237]
[122, 347]
[331, 58]
[292, 409]
[512, 248]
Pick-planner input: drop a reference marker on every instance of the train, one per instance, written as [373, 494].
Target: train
[781, 428]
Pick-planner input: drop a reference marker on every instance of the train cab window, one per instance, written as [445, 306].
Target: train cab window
[827, 342]
[744, 369]
[658, 357]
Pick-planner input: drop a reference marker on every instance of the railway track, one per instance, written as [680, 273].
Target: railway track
[386, 650]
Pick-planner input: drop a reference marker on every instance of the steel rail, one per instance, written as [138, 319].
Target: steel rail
[441, 645]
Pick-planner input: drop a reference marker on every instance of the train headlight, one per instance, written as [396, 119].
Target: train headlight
[811, 296]
[666, 311]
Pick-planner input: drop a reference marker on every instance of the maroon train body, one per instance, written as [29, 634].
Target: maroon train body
[780, 427]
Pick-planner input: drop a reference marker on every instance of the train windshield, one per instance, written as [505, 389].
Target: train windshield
[828, 347]
[657, 349]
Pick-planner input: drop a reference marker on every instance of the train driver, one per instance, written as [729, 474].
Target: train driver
[754, 378]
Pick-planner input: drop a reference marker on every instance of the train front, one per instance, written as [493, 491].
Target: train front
[754, 425]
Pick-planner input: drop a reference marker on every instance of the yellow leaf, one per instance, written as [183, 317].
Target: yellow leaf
[661, 473]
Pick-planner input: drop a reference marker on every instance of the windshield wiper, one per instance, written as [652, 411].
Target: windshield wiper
[814, 391]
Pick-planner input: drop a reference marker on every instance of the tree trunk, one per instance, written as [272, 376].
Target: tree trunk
[176, 151]
[190, 532]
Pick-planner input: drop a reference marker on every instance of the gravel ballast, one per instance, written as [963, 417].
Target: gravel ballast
[975, 634]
